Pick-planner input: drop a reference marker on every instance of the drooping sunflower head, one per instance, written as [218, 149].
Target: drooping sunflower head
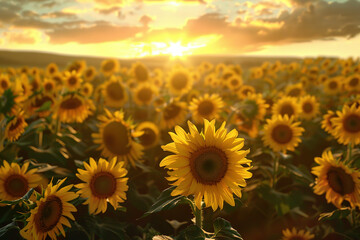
[174, 113]
[326, 123]
[16, 181]
[114, 92]
[51, 69]
[179, 81]
[144, 94]
[336, 180]
[73, 108]
[72, 80]
[109, 67]
[245, 90]
[140, 72]
[115, 137]
[347, 125]
[90, 74]
[282, 134]
[15, 127]
[103, 182]
[309, 107]
[150, 134]
[206, 107]
[287, 106]
[51, 213]
[293, 234]
[209, 165]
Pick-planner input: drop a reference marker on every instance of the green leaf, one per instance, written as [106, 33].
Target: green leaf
[46, 106]
[192, 232]
[223, 230]
[165, 201]
[8, 227]
[336, 214]
[24, 198]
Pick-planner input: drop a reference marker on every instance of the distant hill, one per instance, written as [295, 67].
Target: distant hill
[40, 59]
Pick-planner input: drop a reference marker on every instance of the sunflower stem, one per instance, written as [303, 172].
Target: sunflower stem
[276, 168]
[198, 216]
[41, 134]
[348, 153]
[207, 219]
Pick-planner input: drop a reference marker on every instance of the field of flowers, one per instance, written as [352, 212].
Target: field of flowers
[211, 151]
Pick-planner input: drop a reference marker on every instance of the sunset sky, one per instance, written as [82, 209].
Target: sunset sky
[126, 29]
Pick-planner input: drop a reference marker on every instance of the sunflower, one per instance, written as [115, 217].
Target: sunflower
[309, 107]
[254, 106]
[51, 69]
[333, 85]
[295, 90]
[282, 133]
[109, 67]
[73, 108]
[206, 107]
[353, 83]
[58, 78]
[150, 136]
[347, 125]
[234, 82]
[179, 81]
[293, 234]
[104, 182]
[244, 124]
[144, 94]
[78, 66]
[72, 80]
[15, 127]
[211, 80]
[115, 137]
[4, 83]
[87, 89]
[337, 180]
[140, 72]
[49, 85]
[114, 92]
[286, 106]
[209, 165]
[51, 213]
[16, 181]
[174, 113]
[326, 123]
[34, 105]
[90, 74]
[245, 90]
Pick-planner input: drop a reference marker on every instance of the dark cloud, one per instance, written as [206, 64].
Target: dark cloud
[145, 20]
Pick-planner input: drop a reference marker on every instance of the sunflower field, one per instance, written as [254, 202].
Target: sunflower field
[205, 151]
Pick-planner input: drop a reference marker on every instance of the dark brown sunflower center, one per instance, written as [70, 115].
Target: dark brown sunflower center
[296, 238]
[234, 82]
[141, 73]
[71, 103]
[15, 125]
[86, 90]
[287, 109]
[109, 66]
[72, 80]
[115, 91]
[354, 82]
[208, 165]
[4, 84]
[333, 85]
[226, 76]
[206, 107]
[282, 134]
[246, 91]
[40, 101]
[352, 123]
[295, 92]
[145, 94]
[48, 87]
[49, 214]
[51, 70]
[307, 107]
[16, 185]
[340, 181]
[34, 85]
[103, 185]
[57, 79]
[171, 111]
[117, 138]
[89, 73]
[148, 137]
[179, 81]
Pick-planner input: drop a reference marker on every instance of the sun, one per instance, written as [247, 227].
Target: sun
[175, 49]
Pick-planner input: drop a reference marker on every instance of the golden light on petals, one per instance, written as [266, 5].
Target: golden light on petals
[293, 234]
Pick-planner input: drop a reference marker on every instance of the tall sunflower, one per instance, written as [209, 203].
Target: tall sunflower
[209, 165]
[104, 182]
[179, 81]
[286, 106]
[206, 107]
[294, 90]
[140, 72]
[293, 234]
[353, 83]
[336, 180]
[73, 108]
[144, 93]
[109, 67]
[72, 80]
[114, 92]
[49, 85]
[90, 74]
[51, 213]
[15, 127]
[282, 133]
[174, 113]
[150, 134]
[254, 106]
[115, 137]
[333, 85]
[51, 69]
[309, 107]
[245, 90]
[87, 89]
[15, 181]
[347, 125]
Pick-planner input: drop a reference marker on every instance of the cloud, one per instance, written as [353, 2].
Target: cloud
[109, 10]
[145, 20]
[28, 36]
